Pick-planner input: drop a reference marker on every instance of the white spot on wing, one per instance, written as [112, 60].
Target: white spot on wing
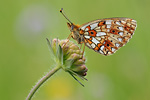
[108, 21]
[88, 44]
[117, 45]
[95, 41]
[98, 38]
[112, 49]
[93, 45]
[109, 53]
[134, 21]
[93, 25]
[120, 39]
[108, 30]
[101, 51]
[100, 33]
[102, 47]
[108, 26]
[86, 33]
[87, 36]
[83, 27]
[98, 28]
[86, 29]
[123, 22]
[118, 23]
[121, 33]
[120, 28]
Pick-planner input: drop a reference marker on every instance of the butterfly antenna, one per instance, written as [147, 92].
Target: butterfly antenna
[63, 13]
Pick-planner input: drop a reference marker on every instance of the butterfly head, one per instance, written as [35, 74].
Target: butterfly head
[72, 27]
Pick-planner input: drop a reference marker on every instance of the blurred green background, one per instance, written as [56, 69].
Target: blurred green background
[25, 58]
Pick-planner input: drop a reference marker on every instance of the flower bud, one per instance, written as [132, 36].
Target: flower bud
[72, 59]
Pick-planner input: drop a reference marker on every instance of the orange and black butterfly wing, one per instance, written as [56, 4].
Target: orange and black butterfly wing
[106, 36]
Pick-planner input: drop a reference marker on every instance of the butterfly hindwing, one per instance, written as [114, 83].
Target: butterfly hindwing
[106, 36]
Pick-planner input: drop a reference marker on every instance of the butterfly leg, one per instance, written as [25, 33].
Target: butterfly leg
[83, 50]
[70, 35]
[80, 46]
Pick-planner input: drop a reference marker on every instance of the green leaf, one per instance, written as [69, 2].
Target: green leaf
[50, 47]
[76, 79]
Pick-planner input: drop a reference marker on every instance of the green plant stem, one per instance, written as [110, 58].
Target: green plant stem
[41, 81]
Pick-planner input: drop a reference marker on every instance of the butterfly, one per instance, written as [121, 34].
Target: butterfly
[104, 36]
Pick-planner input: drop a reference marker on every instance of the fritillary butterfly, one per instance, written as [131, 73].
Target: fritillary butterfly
[104, 36]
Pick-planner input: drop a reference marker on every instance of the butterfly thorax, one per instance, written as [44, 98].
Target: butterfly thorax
[76, 33]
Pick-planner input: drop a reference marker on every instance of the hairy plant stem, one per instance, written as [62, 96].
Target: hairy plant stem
[41, 81]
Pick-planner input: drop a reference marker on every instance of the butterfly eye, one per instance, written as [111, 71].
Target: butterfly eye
[72, 27]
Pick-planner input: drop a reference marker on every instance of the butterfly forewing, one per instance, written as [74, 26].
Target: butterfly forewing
[106, 36]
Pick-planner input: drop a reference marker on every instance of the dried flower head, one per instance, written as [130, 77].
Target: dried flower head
[69, 57]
